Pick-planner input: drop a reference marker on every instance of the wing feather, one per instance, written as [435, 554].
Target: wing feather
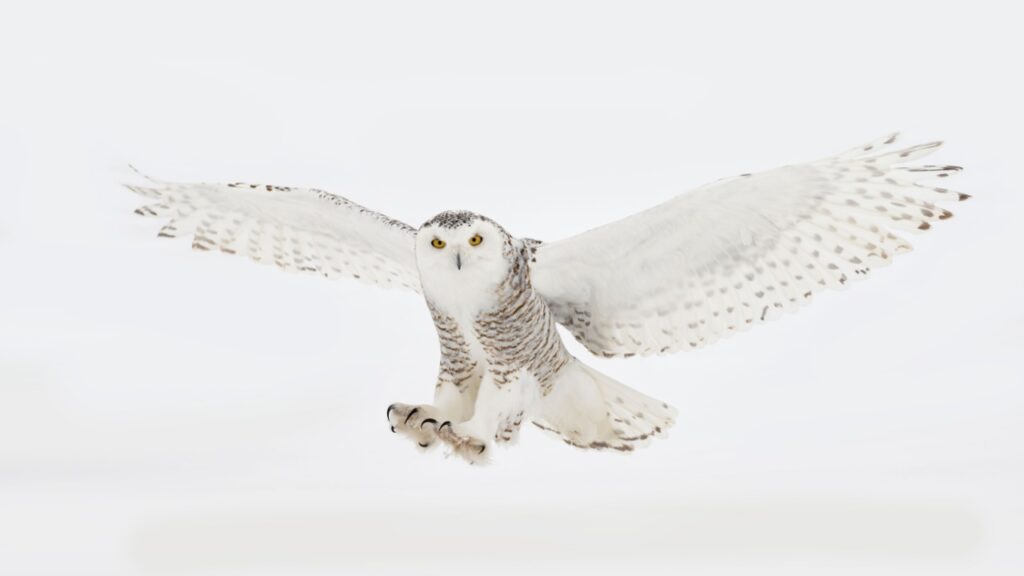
[297, 229]
[740, 251]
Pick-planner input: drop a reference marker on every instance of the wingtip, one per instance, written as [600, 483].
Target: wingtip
[138, 172]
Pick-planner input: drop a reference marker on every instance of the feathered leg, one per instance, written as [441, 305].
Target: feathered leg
[501, 404]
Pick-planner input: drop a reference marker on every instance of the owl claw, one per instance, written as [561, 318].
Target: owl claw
[419, 423]
[410, 415]
[410, 420]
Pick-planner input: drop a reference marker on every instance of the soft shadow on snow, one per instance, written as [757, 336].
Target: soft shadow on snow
[520, 538]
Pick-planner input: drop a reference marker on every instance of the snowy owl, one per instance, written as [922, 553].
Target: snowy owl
[703, 265]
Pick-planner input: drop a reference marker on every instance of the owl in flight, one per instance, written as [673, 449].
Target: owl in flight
[703, 265]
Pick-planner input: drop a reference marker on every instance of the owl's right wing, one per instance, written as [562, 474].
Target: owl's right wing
[297, 229]
[734, 253]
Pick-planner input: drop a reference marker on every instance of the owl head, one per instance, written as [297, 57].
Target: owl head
[460, 253]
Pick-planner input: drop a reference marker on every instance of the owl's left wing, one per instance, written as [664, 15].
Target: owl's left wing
[736, 252]
[296, 229]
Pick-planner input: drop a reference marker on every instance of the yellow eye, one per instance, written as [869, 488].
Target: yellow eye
[437, 243]
[476, 240]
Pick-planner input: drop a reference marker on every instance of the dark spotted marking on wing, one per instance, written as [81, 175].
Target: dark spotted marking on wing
[301, 237]
[843, 227]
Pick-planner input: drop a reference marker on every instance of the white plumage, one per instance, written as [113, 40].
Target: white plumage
[297, 229]
[736, 252]
[717, 260]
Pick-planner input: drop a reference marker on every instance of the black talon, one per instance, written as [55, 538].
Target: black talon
[414, 410]
[390, 408]
[424, 444]
[425, 420]
[393, 430]
[446, 423]
[482, 448]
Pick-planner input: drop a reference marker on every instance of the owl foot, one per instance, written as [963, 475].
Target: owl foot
[414, 422]
[471, 449]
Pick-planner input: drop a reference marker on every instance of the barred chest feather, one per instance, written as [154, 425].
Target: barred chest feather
[503, 328]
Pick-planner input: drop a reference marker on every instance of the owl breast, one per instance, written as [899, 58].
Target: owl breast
[502, 330]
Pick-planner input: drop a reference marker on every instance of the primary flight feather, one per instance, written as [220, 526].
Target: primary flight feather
[703, 265]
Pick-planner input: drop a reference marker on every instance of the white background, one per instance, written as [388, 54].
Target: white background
[169, 412]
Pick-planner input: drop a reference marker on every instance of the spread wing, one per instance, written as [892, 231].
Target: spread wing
[297, 229]
[739, 251]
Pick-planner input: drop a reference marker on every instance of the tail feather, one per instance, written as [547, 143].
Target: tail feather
[588, 409]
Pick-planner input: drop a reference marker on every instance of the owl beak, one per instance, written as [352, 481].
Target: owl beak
[458, 260]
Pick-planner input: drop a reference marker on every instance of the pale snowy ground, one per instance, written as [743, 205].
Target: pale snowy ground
[167, 412]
